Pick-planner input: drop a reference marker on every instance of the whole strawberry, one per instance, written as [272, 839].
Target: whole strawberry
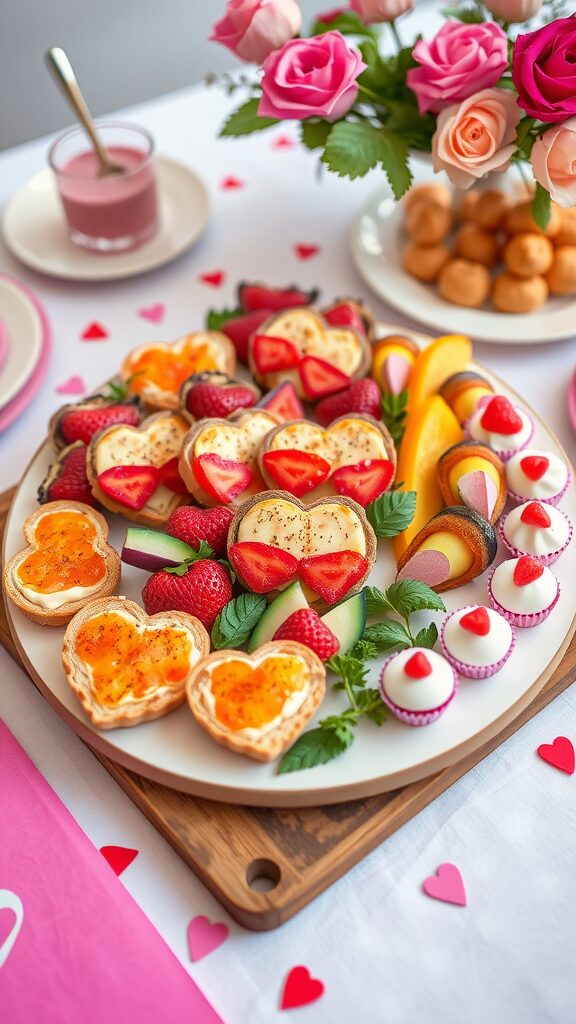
[66, 478]
[193, 525]
[307, 627]
[363, 396]
[80, 424]
[201, 588]
[216, 395]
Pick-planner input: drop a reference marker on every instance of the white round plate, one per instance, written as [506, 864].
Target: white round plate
[377, 242]
[35, 230]
[176, 752]
[23, 333]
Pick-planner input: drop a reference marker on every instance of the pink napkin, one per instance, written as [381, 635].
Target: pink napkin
[74, 946]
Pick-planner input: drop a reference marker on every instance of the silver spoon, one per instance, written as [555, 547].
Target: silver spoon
[61, 68]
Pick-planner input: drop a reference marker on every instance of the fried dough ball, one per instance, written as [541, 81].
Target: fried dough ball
[490, 209]
[520, 218]
[464, 283]
[428, 223]
[425, 261]
[511, 294]
[474, 244]
[431, 192]
[567, 233]
[562, 274]
[466, 205]
[526, 254]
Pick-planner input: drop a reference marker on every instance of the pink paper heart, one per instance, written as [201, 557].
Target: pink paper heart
[204, 936]
[283, 142]
[230, 183]
[396, 373]
[430, 567]
[446, 885]
[73, 386]
[478, 492]
[153, 313]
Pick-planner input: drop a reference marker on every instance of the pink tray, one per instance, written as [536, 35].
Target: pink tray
[16, 406]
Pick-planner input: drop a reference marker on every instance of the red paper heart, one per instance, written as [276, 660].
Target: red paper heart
[94, 332]
[446, 885]
[283, 142]
[477, 621]
[118, 857]
[300, 989]
[227, 184]
[560, 754]
[305, 252]
[215, 278]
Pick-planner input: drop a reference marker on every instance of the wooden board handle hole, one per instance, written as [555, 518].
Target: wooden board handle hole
[263, 875]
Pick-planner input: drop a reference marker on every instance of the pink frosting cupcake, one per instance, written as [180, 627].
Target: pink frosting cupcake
[536, 529]
[502, 426]
[477, 641]
[417, 685]
[538, 476]
[523, 590]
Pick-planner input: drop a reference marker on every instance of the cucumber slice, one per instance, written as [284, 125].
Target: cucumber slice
[347, 621]
[290, 600]
[150, 550]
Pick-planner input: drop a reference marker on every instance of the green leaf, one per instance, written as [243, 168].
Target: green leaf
[215, 319]
[236, 621]
[406, 121]
[394, 159]
[364, 650]
[388, 635]
[541, 207]
[342, 726]
[394, 414]
[407, 596]
[427, 637]
[372, 706]
[353, 148]
[203, 552]
[469, 15]
[391, 512]
[376, 601]
[311, 749]
[245, 120]
[314, 134]
[351, 670]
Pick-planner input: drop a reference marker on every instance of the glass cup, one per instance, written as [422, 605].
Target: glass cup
[107, 213]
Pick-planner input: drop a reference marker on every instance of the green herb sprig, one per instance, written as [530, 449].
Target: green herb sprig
[394, 413]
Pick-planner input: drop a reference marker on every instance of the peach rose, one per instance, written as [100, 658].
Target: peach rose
[554, 162]
[476, 136]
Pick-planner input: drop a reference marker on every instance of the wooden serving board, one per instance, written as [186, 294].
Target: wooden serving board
[292, 853]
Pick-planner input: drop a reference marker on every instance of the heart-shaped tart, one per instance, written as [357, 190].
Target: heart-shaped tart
[318, 359]
[257, 704]
[133, 472]
[156, 372]
[127, 667]
[219, 460]
[67, 562]
[79, 421]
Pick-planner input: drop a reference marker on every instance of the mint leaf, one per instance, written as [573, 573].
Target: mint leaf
[388, 635]
[407, 596]
[541, 207]
[236, 621]
[371, 705]
[394, 414]
[364, 650]
[394, 160]
[351, 670]
[245, 120]
[342, 726]
[376, 602]
[318, 746]
[353, 148]
[314, 134]
[391, 512]
[203, 552]
[215, 319]
[427, 637]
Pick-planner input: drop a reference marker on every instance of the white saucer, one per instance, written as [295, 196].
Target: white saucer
[35, 231]
[377, 244]
[23, 333]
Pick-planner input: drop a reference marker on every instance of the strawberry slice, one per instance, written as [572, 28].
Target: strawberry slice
[500, 417]
[223, 479]
[258, 296]
[132, 486]
[283, 402]
[271, 354]
[333, 575]
[365, 480]
[170, 477]
[262, 566]
[535, 514]
[534, 466]
[296, 471]
[526, 570]
[320, 378]
[344, 314]
[239, 329]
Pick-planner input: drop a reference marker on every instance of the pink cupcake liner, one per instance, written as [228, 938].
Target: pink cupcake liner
[473, 671]
[554, 500]
[504, 454]
[525, 620]
[415, 717]
[544, 559]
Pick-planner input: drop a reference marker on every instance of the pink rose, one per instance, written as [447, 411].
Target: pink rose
[459, 61]
[544, 71]
[476, 136]
[554, 162]
[253, 28]
[311, 78]
[380, 10]
[514, 10]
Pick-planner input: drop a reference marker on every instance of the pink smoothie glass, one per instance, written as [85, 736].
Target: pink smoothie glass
[111, 213]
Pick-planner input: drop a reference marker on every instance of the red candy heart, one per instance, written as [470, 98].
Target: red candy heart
[418, 666]
[500, 417]
[94, 332]
[477, 621]
[214, 278]
[534, 466]
[526, 570]
[300, 989]
[535, 514]
[560, 754]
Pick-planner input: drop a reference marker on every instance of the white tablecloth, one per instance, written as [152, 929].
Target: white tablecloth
[385, 952]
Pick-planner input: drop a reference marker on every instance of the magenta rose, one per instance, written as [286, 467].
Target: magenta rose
[544, 71]
[311, 78]
[253, 28]
[460, 60]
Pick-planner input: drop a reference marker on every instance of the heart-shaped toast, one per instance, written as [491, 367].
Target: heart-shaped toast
[354, 456]
[125, 666]
[313, 352]
[219, 460]
[133, 470]
[257, 704]
[156, 372]
[67, 562]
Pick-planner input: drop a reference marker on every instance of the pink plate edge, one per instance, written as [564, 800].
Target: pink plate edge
[16, 406]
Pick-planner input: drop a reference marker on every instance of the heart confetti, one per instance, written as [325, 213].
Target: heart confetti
[215, 278]
[231, 183]
[94, 332]
[118, 857]
[204, 936]
[75, 385]
[305, 252]
[560, 754]
[153, 313]
[446, 885]
[300, 989]
[283, 142]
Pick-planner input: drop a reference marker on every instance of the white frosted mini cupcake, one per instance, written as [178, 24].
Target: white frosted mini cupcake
[502, 426]
[477, 641]
[536, 529]
[523, 590]
[537, 475]
[417, 685]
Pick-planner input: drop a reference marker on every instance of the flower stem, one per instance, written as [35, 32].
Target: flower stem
[396, 35]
